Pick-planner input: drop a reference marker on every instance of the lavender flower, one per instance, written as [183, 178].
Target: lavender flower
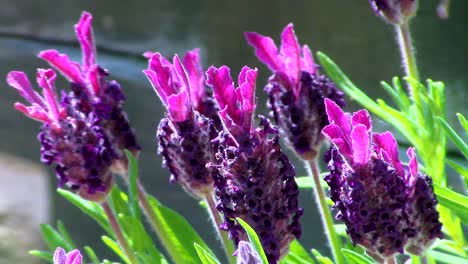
[296, 91]
[92, 93]
[386, 206]
[395, 11]
[72, 257]
[255, 180]
[185, 135]
[69, 139]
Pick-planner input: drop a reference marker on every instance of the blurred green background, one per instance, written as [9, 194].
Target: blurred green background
[347, 31]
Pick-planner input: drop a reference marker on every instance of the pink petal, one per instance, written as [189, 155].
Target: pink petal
[19, 81]
[148, 54]
[291, 54]
[195, 72]
[60, 256]
[413, 166]
[360, 144]
[307, 61]
[265, 49]
[84, 33]
[386, 142]
[34, 112]
[337, 138]
[362, 117]
[337, 116]
[181, 74]
[70, 69]
[159, 74]
[94, 77]
[179, 106]
[221, 82]
[74, 257]
[246, 89]
[46, 80]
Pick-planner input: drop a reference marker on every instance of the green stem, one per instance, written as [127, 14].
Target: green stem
[407, 51]
[118, 233]
[217, 221]
[156, 225]
[327, 220]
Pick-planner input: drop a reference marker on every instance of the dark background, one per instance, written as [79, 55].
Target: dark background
[347, 31]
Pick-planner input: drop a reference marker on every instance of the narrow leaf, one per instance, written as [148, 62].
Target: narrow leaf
[205, 256]
[454, 201]
[66, 236]
[114, 246]
[321, 259]
[47, 256]
[254, 240]
[132, 176]
[52, 238]
[297, 254]
[91, 255]
[457, 140]
[447, 258]
[463, 122]
[356, 258]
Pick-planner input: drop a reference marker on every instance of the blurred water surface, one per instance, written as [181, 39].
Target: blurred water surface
[346, 30]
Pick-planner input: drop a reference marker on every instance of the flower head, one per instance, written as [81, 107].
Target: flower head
[71, 140]
[91, 92]
[395, 11]
[185, 134]
[255, 179]
[72, 257]
[387, 206]
[295, 90]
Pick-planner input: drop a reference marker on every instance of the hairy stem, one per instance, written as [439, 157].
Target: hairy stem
[327, 220]
[217, 221]
[118, 233]
[407, 51]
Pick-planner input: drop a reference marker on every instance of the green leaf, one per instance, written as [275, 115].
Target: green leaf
[459, 169]
[205, 256]
[114, 246]
[92, 209]
[297, 254]
[133, 192]
[356, 258]
[446, 258]
[454, 201]
[463, 122]
[175, 232]
[70, 245]
[45, 255]
[456, 139]
[321, 259]
[451, 247]
[305, 182]
[91, 255]
[254, 240]
[341, 229]
[52, 238]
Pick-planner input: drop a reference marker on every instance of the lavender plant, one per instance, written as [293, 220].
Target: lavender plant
[387, 211]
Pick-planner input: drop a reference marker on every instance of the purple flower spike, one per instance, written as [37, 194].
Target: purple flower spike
[71, 140]
[395, 11]
[255, 179]
[387, 207]
[295, 90]
[72, 257]
[185, 135]
[92, 93]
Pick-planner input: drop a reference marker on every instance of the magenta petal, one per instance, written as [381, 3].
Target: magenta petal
[34, 112]
[246, 89]
[413, 166]
[360, 143]
[46, 79]
[178, 106]
[84, 33]
[362, 117]
[94, 77]
[223, 89]
[59, 256]
[148, 54]
[265, 49]
[291, 53]
[71, 70]
[337, 116]
[386, 142]
[307, 61]
[19, 81]
[159, 74]
[337, 138]
[74, 257]
[181, 74]
[195, 72]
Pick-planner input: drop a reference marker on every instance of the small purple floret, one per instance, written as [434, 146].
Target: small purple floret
[387, 207]
[72, 257]
[295, 90]
[255, 179]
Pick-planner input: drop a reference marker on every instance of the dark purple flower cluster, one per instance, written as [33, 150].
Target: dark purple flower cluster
[296, 91]
[395, 11]
[92, 93]
[256, 179]
[70, 139]
[185, 135]
[387, 206]
[85, 134]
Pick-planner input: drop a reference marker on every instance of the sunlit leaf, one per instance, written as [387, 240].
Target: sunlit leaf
[254, 240]
[356, 258]
[205, 256]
